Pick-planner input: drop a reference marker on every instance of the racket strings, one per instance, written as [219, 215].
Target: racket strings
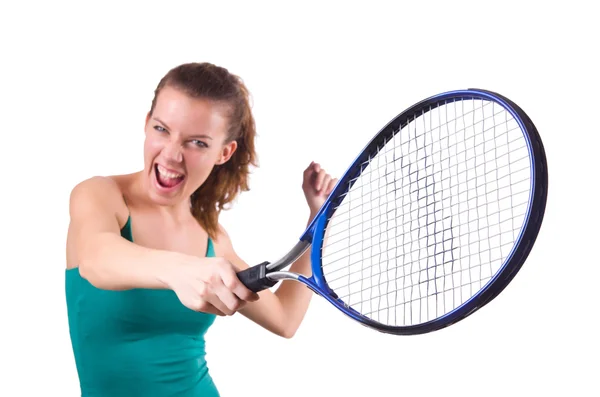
[448, 158]
[395, 208]
[523, 160]
[496, 169]
[443, 253]
[391, 149]
[441, 264]
[403, 245]
[469, 284]
[455, 194]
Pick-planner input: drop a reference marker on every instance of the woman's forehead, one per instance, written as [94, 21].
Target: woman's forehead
[181, 112]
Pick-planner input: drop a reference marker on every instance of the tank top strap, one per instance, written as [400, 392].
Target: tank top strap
[210, 249]
[126, 229]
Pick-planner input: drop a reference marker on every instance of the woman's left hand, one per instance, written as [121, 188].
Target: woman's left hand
[317, 186]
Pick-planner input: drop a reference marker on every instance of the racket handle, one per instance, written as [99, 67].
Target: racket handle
[255, 278]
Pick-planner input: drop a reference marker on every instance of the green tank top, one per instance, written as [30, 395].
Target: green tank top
[137, 342]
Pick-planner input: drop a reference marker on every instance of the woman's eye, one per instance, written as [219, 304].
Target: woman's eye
[199, 143]
[159, 128]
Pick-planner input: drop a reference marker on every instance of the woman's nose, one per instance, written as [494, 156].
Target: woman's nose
[173, 152]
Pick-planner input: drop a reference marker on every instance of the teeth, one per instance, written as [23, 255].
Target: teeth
[163, 172]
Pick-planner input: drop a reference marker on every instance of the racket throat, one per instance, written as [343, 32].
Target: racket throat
[289, 258]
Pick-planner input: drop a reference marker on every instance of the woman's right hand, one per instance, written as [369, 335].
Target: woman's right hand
[209, 285]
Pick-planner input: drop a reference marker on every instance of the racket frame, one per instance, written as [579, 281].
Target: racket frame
[314, 233]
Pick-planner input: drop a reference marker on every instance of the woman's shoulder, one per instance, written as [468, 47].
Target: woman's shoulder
[222, 242]
[106, 189]
[98, 182]
[99, 186]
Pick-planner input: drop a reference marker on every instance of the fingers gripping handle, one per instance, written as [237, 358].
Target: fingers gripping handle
[255, 278]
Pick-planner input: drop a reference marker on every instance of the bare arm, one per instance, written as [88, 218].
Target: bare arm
[94, 243]
[109, 261]
[282, 311]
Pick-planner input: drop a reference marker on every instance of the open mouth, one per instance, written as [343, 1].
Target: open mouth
[167, 179]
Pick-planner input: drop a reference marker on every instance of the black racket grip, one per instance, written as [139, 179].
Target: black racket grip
[255, 278]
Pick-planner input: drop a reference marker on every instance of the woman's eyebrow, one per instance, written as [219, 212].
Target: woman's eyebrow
[193, 136]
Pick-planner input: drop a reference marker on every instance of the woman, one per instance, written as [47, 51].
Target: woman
[148, 265]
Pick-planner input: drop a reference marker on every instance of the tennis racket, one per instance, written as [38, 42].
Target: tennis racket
[431, 221]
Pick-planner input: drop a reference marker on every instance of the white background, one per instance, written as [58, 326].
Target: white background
[77, 80]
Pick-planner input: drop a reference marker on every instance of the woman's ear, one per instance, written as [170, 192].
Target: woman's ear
[227, 152]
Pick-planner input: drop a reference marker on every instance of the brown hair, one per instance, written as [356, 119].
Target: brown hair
[226, 181]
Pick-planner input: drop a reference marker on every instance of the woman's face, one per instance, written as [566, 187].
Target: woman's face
[185, 139]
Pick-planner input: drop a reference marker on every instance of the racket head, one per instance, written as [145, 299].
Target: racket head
[446, 238]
